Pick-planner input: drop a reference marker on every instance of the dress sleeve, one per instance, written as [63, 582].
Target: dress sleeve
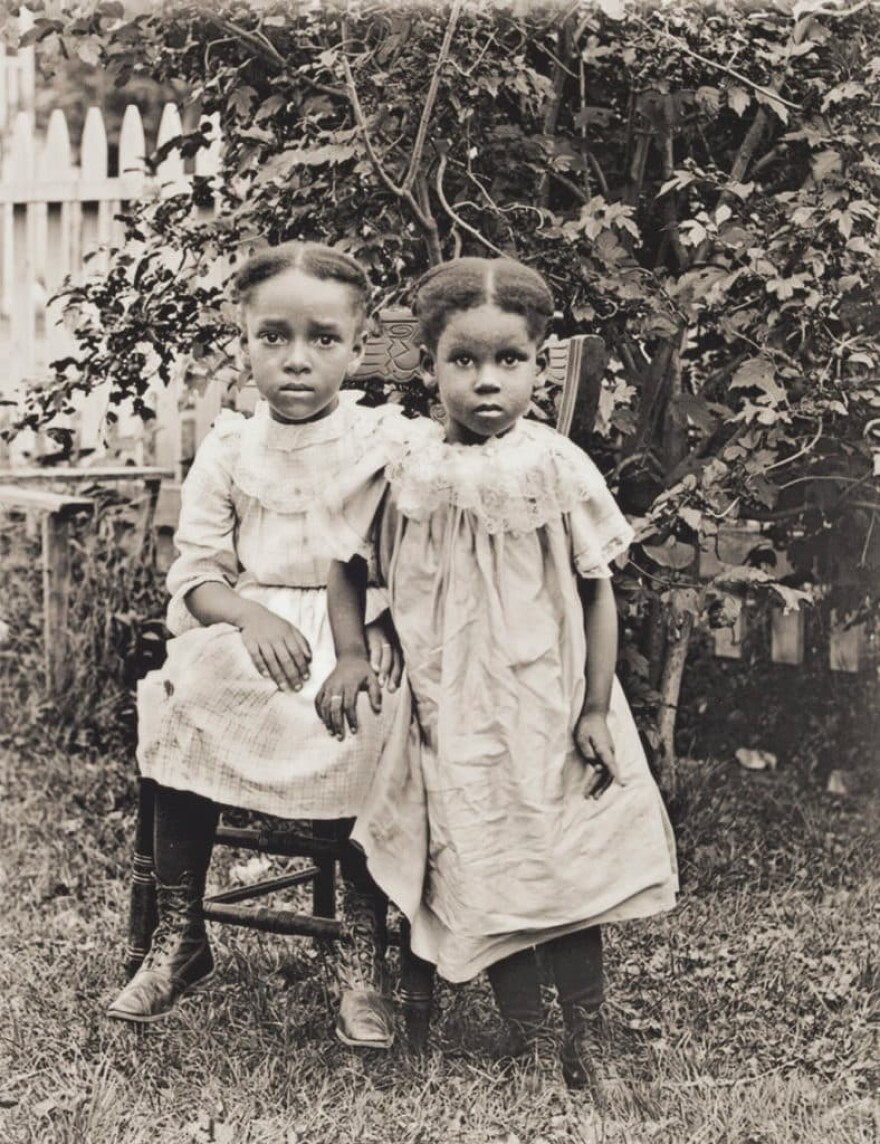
[352, 507]
[205, 537]
[598, 529]
[349, 511]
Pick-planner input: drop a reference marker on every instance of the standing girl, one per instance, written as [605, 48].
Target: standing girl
[494, 536]
[230, 717]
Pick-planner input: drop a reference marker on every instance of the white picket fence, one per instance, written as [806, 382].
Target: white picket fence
[58, 218]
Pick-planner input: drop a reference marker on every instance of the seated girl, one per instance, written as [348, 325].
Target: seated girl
[230, 717]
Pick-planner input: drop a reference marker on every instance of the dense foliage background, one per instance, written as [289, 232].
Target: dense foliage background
[697, 181]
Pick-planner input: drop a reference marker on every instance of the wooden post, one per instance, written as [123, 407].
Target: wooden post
[56, 585]
[56, 511]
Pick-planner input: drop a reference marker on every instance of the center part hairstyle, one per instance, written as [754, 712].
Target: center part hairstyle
[311, 258]
[465, 283]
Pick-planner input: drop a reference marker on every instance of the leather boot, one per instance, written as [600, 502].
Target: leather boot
[365, 1019]
[581, 1047]
[179, 956]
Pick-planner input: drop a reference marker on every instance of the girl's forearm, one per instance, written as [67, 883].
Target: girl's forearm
[600, 627]
[346, 605]
[216, 603]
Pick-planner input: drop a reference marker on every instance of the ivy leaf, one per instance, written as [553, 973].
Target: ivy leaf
[708, 98]
[613, 9]
[845, 223]
[241, 100]
[692, 232]
[824, 163]
[89, 52]
[759, 373]
[269, 106]
[775, 104]
[738, 99]
[842, 92]
[673, 554]
[765, 491]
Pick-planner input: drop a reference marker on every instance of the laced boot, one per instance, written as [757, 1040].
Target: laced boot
[364, 1019]
[179, 957]
[581, 1047]
[522, 1040]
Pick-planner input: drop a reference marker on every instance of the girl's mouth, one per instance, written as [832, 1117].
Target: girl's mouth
[489, 408]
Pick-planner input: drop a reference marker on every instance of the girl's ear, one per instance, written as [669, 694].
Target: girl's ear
[245, 352]
[427, 368]
[357, 356]
[542, 364]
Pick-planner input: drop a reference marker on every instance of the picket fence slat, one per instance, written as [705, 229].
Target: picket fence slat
[132, 154]
[57, 157]
[93, 149]
[170, 172]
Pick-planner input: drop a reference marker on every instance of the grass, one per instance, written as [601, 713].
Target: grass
[748, 1016]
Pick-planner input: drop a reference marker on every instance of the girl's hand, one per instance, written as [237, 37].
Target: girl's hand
[337, 699]
[593, 740]
[279, 650]
[386, 657]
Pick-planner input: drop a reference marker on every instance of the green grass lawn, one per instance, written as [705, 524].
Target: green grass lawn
[748, 1016]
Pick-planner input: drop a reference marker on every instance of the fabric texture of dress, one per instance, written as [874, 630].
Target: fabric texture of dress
[481, 833]
[208, 721]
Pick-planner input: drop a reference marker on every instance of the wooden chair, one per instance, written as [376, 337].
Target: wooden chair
[576, 366]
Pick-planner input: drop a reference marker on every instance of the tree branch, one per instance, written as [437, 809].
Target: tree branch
[430, 99]
[424, 220]
[456, 218]
[683, 47]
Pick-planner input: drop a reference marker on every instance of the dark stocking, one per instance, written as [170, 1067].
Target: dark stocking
[517, 989]
[576, 960]
[183, 835]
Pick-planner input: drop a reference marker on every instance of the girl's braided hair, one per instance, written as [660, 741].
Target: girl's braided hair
[466, 283]
[311, 258]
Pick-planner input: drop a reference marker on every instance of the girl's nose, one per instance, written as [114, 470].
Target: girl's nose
[297, 358]
[487, 381]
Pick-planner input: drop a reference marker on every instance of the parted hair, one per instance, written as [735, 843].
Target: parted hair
[312, 258]
[465, 283]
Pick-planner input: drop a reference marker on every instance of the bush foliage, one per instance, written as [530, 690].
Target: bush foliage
[698, 181]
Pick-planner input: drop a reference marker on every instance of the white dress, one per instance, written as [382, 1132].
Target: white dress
[481, 835]
[208, 721]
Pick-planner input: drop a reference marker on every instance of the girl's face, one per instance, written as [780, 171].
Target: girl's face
[486, 366]
[302, 336]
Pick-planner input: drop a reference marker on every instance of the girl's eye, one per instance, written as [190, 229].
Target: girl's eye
[511, 358]
[463, 360]
[327, 340]
[271, 338]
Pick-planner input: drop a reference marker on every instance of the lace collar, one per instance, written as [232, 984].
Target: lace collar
[515, 483]
[265, 432]
[276, 463]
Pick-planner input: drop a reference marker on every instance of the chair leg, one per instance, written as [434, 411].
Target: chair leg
[324, 884]
[142, 915]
